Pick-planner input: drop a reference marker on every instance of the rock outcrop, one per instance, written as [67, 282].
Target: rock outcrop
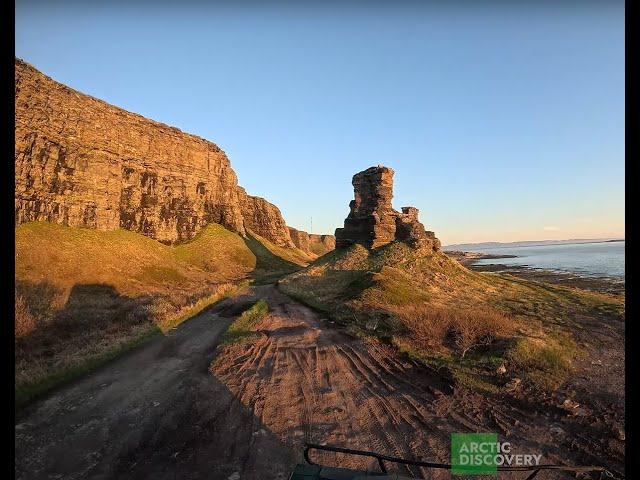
[372, 221]
[82, 162]
[312, 243]
[321, 243]
[264, 218]
[300, 239]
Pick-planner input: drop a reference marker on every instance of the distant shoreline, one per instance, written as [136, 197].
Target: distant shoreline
[601, 284]
[467, 258]
[468, 247]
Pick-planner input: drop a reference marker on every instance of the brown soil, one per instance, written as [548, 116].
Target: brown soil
[164, 412]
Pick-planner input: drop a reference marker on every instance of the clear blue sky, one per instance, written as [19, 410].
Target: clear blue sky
[502, 122]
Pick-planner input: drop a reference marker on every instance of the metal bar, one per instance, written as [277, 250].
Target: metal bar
[382, 467]
[417, 463]
[533, 475]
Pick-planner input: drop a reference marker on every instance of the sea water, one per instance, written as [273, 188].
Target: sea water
[602, 259]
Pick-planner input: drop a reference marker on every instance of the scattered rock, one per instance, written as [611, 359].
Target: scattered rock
[234, 476]
[620, 434]
[372, 324]
[501, 369]
[570, 404]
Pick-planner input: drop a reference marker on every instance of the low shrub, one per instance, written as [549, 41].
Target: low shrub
[25, 321]
[462, 329]
[244, 325]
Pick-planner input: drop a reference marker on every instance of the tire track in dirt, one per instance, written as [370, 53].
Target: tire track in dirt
[328, 387]
[156, 413]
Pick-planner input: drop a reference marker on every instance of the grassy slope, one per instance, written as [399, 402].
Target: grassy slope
[382, 293]
[87, 295]
[273, 261]
[243, 326]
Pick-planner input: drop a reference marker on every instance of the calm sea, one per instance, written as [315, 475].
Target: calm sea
[593, 259]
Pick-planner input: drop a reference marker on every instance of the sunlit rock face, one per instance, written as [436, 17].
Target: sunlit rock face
[311, 242]
[372, 221]
[82, 162]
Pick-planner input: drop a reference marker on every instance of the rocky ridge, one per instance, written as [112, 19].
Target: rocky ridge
[311, 242]
[372, 221]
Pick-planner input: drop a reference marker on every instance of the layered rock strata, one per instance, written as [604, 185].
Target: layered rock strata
[312, 243]
[372, 221]
[300, 239]
[82, 162]
[324, 243]
[264, 218]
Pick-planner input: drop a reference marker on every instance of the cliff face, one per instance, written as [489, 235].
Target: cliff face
[264, 218]
[82, 162]
[372, 221]
[311, 242]
[321, 244]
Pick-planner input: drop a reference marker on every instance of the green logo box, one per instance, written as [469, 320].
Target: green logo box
[474, 453]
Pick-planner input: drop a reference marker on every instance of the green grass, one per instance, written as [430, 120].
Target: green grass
[29, 391]
[355, 286]
[243, 327]
[91, 293]
[546, 363]
[274, 262]
[131, 263]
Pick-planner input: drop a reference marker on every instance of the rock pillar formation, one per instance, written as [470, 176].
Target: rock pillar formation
[372, 221]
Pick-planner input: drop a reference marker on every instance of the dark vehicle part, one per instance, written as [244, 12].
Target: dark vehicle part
[313, 471]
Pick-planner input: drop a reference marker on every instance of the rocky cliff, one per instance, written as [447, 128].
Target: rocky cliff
[264, 218]
[324, 243]
[82, 162]
[312, 243]
[372, 221]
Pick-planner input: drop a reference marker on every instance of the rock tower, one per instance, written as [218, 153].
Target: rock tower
[372, 221]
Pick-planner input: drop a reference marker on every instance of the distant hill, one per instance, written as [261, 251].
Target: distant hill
[527, 243]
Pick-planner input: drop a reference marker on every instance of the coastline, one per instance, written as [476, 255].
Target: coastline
[600, 284]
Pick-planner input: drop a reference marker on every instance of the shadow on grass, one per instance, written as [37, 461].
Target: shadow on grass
[186, 423]
[269, 267]
[96, 324]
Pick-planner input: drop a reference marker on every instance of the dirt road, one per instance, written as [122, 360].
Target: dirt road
[164, 412]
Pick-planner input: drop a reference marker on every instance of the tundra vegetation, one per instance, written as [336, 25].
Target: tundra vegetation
[472, 326]
[84, 296]
[244, 326]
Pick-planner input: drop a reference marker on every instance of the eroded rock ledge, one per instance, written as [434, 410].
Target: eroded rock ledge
[372, 221]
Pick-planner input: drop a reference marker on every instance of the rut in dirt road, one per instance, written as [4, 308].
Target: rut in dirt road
[153, 413]
[179, 407]
[308, 382]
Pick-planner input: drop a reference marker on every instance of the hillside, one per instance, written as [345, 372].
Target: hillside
[389, 280]
[84, 294]
[445, 315]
